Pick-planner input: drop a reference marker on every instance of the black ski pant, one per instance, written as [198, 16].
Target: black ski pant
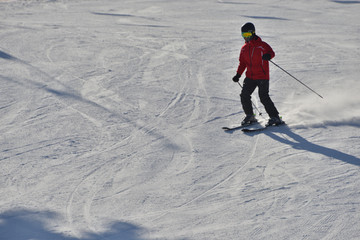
[263, 88]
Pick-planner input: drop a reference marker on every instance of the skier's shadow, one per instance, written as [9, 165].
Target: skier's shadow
[31, 224]
[301, 143]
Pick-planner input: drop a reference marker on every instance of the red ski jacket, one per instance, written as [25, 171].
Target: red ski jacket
[251, 58]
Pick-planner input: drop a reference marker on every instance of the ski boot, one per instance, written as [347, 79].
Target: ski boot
[275, 121]
[249, 119]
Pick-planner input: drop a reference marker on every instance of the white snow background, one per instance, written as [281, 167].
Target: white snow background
[111, 115]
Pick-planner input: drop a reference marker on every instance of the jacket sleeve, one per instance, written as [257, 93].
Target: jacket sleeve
[242, 63]
[269, 50]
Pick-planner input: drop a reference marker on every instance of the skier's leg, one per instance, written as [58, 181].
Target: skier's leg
[245, 96]
[265, 98]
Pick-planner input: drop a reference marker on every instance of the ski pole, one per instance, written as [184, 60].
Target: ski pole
[296, 79]
[252, 103]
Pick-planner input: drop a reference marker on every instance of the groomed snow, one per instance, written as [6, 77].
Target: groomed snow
[111, 116]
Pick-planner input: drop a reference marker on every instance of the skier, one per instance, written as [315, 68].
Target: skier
[254, 56]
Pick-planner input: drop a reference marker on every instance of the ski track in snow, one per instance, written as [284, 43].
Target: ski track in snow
[111, 116]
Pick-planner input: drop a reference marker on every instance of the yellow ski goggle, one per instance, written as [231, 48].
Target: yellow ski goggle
[246, 34]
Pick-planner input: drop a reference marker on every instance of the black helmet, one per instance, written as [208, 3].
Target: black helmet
[248, 31]
[248, 27]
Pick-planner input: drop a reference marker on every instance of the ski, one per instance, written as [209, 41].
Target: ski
[250, 130]
[238, 127]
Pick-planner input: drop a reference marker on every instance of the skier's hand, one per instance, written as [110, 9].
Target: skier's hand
[266, 56]
[236, 77]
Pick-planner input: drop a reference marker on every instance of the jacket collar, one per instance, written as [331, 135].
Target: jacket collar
[254, 41]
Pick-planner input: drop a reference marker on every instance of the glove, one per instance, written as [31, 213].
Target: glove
[266, 56]
[236, 77]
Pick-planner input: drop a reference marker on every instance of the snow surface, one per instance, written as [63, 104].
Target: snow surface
[111, 116]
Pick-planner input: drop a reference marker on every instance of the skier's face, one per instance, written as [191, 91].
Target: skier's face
[247, 36]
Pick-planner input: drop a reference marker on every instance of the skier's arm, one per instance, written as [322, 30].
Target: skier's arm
[241, 68]
[242, 64]
[269, 53]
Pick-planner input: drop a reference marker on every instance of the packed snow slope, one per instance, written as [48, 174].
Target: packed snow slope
[111, 116]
